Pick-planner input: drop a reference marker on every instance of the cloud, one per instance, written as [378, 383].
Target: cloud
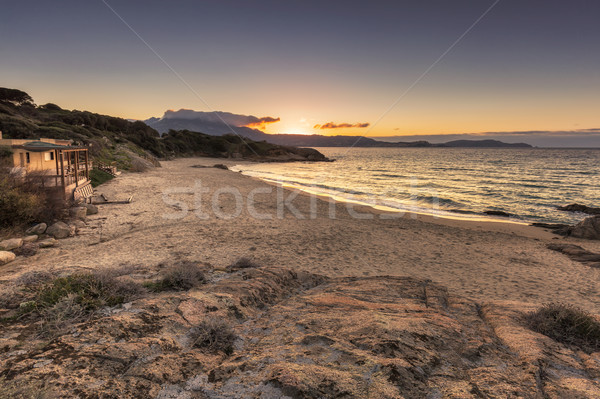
[331, 125]
[236, 120]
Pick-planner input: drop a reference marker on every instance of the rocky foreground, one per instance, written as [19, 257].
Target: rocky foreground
[279, 333]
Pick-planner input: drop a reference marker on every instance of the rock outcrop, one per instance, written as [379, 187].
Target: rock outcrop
[588, 228]
[577, 253]
[580, 208]
[300, 335]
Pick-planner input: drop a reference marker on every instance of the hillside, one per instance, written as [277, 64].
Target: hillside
[118, 140]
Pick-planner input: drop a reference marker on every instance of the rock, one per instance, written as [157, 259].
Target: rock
[588, 228]
[37, 229]
[497, 213]
[580, 208]
[10, 244]
[79, 212]
[59, 230]
[29, 239]
[47, 243]
[91, 209]
[78, 224]
[577, 253]
[306, 336]
[6, 257]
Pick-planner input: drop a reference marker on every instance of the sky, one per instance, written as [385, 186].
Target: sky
[376, 68]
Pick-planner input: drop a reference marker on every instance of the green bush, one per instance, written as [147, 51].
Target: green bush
[567, 324]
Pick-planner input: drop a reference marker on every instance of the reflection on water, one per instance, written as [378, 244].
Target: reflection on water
[528, 183]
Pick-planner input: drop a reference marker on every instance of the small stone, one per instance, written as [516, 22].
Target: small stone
[79, 212]
[42, 363]
[30, 239]
[9, 244]
[59, 230]
[37, 229]
[91, 209]
[6, 257]
[47, 243]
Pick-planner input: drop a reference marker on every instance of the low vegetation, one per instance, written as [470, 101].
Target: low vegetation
[243, 263]
[99, 177]
[213, 334]
[64, 301]
[181, 276]
[567, 324]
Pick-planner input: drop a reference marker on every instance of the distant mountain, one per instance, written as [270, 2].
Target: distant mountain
[484, 144]
[213, 124]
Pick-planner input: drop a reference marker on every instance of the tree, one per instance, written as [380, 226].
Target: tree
[15, 97]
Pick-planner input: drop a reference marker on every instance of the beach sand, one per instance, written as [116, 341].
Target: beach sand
[485, 261]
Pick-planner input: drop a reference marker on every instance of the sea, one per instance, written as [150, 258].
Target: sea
[528, 184]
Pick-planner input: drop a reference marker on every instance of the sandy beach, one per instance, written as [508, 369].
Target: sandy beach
[485, 261]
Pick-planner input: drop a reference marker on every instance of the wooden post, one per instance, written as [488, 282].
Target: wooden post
[57, 171]
[87, 166]
[76, 168]
[62, 169]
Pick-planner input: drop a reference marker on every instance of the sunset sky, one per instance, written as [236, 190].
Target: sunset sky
[526, 65]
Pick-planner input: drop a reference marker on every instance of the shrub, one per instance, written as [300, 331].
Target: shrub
[33, 278]
[567, 324]
[182, 276]
[243, 263]
[62, 316]
[91, 291]
[17, 206]
[213, 334]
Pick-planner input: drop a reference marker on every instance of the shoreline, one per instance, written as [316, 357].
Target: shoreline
[478, 222]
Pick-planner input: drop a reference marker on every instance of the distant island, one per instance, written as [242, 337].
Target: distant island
[213, 124]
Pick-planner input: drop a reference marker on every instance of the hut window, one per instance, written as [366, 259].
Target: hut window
[49, 156]
[27, 157]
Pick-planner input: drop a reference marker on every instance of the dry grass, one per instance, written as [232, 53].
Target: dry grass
[567, 324]
[215, 335]
[181, 276]
[243, 263]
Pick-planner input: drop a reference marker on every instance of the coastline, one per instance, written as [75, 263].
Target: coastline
[482, 260]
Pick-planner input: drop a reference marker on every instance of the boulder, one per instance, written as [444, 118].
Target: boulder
[37, 229]
[30, 239]
[6, 257]
[47, 243]
[59, 230]
[588, 228]
[79, 212]
[9, 244]
[91, 209]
